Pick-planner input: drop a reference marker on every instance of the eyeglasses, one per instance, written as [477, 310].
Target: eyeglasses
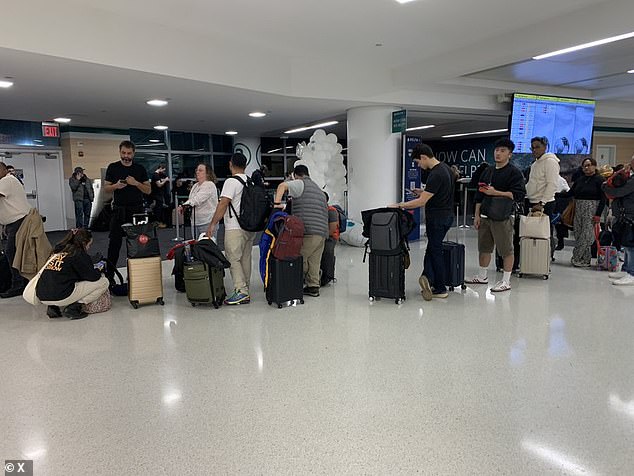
[588, 165]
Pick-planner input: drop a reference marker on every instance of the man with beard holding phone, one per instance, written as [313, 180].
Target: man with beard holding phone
[128, 182]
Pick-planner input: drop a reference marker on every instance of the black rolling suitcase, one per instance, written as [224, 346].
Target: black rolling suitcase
[387, 277]
[454, 256]
[285, 280]
[204, 284]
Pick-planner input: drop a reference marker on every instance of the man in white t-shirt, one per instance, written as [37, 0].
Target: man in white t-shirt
[238, 242]
[13, 208]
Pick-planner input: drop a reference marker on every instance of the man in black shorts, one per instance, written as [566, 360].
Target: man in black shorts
[128, 182]
[500, 187]
[437, 198]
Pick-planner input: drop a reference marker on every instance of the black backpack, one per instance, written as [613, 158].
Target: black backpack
[255, 206]
[387, 230]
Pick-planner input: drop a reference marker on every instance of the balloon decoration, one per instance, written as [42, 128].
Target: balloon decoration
[323, 158]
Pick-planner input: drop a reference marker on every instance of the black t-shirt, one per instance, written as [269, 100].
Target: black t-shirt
[506, 179]
[129, 195]
[441, 183]
[58, 279]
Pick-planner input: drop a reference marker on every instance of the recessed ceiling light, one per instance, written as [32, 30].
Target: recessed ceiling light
[257, 114]
[492, 131]
[6, 84]
[231, 133]
[156, 102]
[161, 128]
[583, 46]
[154, 141]
[315, 126]
[631, 71]
[420, 127]
[63, 120]
[404, 1]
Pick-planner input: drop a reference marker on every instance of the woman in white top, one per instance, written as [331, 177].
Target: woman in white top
[203, 198]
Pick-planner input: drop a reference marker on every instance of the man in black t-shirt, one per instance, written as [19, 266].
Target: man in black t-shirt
[437, 198]
[128, 182]
[159, 184]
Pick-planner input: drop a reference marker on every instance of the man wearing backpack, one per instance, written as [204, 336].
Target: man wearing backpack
[238, 241]
[310, 205]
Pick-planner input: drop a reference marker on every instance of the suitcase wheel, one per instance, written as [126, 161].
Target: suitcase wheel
[463, 286]
[399, 301]
[269, 302]
[193, 304]
[519, 275]
[279, 306]
[160, 301]
[371, 298]
[216, 305]
[545, 277]
[301, 301]
[451, 288]
[135, 304]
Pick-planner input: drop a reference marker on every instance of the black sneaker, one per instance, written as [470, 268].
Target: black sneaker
[13, 292]
[74, 311]
[53, 312]
[311, 291]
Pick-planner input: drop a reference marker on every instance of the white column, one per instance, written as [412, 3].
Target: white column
[250, 147]
[374, 159]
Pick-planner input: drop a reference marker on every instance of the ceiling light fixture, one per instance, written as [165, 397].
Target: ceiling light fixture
[161, 128]
[6, 84]
[583, 46]
[156, 102]
[420, 127]
[315, 126]
[404, 1]
[492, 131]
[62, 120]
[631, 71]
[257, 114]
[231, 133]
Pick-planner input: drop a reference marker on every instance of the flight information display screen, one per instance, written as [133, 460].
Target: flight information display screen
[565, 122]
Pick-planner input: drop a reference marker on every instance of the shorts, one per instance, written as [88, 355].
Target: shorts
[496, 233]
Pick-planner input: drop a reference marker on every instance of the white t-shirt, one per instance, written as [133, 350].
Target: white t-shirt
[204, 198]
[232, 189]
[13, 203]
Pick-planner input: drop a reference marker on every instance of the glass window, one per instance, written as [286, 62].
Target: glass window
[221, 165]
[222, 144]
[184, 165]
[189, 141]
[149, 160]
[148, 139]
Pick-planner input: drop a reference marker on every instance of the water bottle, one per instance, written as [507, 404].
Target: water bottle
[188, 253]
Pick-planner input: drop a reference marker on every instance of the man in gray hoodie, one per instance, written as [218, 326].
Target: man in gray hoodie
[543, 181]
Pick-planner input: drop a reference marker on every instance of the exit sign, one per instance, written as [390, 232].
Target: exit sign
[50, 129]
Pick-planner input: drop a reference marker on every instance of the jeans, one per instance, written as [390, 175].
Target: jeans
[434, 263]
[82, 213]
[17, 281]
[628, 262]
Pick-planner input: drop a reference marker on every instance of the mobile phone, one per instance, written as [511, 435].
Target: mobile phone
[122, 181]
[409, 190]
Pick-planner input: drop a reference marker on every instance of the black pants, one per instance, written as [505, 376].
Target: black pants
[17, 281]
[120, 215]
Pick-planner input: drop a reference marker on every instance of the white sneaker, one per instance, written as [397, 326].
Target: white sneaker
[627, 280]
[501, 286]
[477, 279]
[617, 275]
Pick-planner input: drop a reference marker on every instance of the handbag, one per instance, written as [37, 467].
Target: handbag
[535, 225]
[568, 215]
[141, 240]
[497, 208]
[102, 304]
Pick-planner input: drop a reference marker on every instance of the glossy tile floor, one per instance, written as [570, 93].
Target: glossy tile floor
[536, 381]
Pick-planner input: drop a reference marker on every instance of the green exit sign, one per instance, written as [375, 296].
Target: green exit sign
[399, 121]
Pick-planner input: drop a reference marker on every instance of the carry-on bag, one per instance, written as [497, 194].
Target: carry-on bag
[145, 281]
[204, 284]
[141, 240]
[534, 257]
[607, 255]
[535, 225]
[387, 277]
[454, 258]
[285, 280]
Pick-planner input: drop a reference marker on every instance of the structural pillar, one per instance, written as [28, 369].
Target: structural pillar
[374, 159]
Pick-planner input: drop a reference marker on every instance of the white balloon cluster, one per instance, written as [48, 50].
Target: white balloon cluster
[323, 158]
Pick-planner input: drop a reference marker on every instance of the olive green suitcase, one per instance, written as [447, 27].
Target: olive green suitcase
[204, 285]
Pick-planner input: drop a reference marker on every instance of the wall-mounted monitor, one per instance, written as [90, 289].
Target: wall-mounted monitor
[566, 122]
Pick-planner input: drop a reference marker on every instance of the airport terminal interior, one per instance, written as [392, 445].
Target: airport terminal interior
[538, 379]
